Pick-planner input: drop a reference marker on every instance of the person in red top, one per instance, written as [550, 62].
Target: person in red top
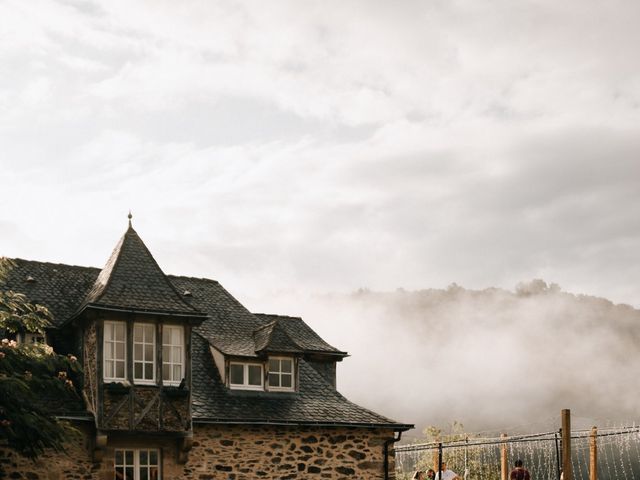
[520, 473]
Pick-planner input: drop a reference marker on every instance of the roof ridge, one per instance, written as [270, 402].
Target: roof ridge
[278, 316]
[118, 249]
[266, 325]
[187, 277]
[67, 265]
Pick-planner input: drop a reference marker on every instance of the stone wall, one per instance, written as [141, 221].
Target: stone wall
[73, 464]
[229, 453]
[236, 453]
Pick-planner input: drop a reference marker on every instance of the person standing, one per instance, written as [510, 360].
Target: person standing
[519, 472]
[446, 473]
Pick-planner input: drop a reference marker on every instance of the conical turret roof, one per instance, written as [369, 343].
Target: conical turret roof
[132, 281]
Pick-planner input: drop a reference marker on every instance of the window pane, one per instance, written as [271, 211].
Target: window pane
[118, 457]
[255, 375]
[129, 473]
[144, 473]
[137, 333]
[119, 351]
[149, 330]
[148, 371]
[137, 351]
[153, 457]
[137, 370]
[148, 352]
[177, 373]
[286, 381]
[119, 332]
[128, 454]
[119, 370]
[177, 355]
[274, 365]
[108, 368]
[143, 457]
[286, 366]
[274, 380]
[166, 371]
[108, 332]
[236, 374]
[176, 336]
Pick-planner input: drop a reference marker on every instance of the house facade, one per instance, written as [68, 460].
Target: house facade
[181, 381]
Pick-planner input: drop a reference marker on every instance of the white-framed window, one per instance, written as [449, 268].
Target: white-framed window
[144, 352]
[172, 354]
[246, 376]
[33, 338]
[115, 351]
[137, 464]
[281, 373]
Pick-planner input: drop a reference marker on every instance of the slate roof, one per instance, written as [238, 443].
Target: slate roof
[273, 338]
[132, 280]
[302, 334]
[60, 287]
[316, 402]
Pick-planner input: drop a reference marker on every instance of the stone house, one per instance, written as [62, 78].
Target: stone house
[183, 382]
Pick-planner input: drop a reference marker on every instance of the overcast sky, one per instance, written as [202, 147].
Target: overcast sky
[307, 146]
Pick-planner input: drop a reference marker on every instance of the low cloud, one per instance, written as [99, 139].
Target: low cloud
[491, 359]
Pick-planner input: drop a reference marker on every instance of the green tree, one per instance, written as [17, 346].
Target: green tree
[30, 376]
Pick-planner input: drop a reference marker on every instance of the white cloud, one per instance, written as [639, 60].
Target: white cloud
[322, 147]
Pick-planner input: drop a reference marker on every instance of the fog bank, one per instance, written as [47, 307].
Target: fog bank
[492, 359]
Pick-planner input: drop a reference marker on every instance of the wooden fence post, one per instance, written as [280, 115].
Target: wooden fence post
[567, 468]
[504, 466]
[593, 454]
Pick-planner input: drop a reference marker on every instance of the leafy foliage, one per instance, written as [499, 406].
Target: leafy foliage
[31, 375]
[18, 314]
[33, 379]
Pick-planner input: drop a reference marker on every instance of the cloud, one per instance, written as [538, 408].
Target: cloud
[490, 359]
[440, 142]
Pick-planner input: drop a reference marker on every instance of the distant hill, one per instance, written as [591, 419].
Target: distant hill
[492, 359]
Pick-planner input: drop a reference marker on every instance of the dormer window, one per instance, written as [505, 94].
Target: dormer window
[246, 376]
[281, 373]
[115, 352]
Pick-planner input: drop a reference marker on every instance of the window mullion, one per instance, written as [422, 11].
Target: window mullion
[136, 464]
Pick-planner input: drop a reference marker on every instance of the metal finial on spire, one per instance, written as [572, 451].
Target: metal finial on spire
[129, 217]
